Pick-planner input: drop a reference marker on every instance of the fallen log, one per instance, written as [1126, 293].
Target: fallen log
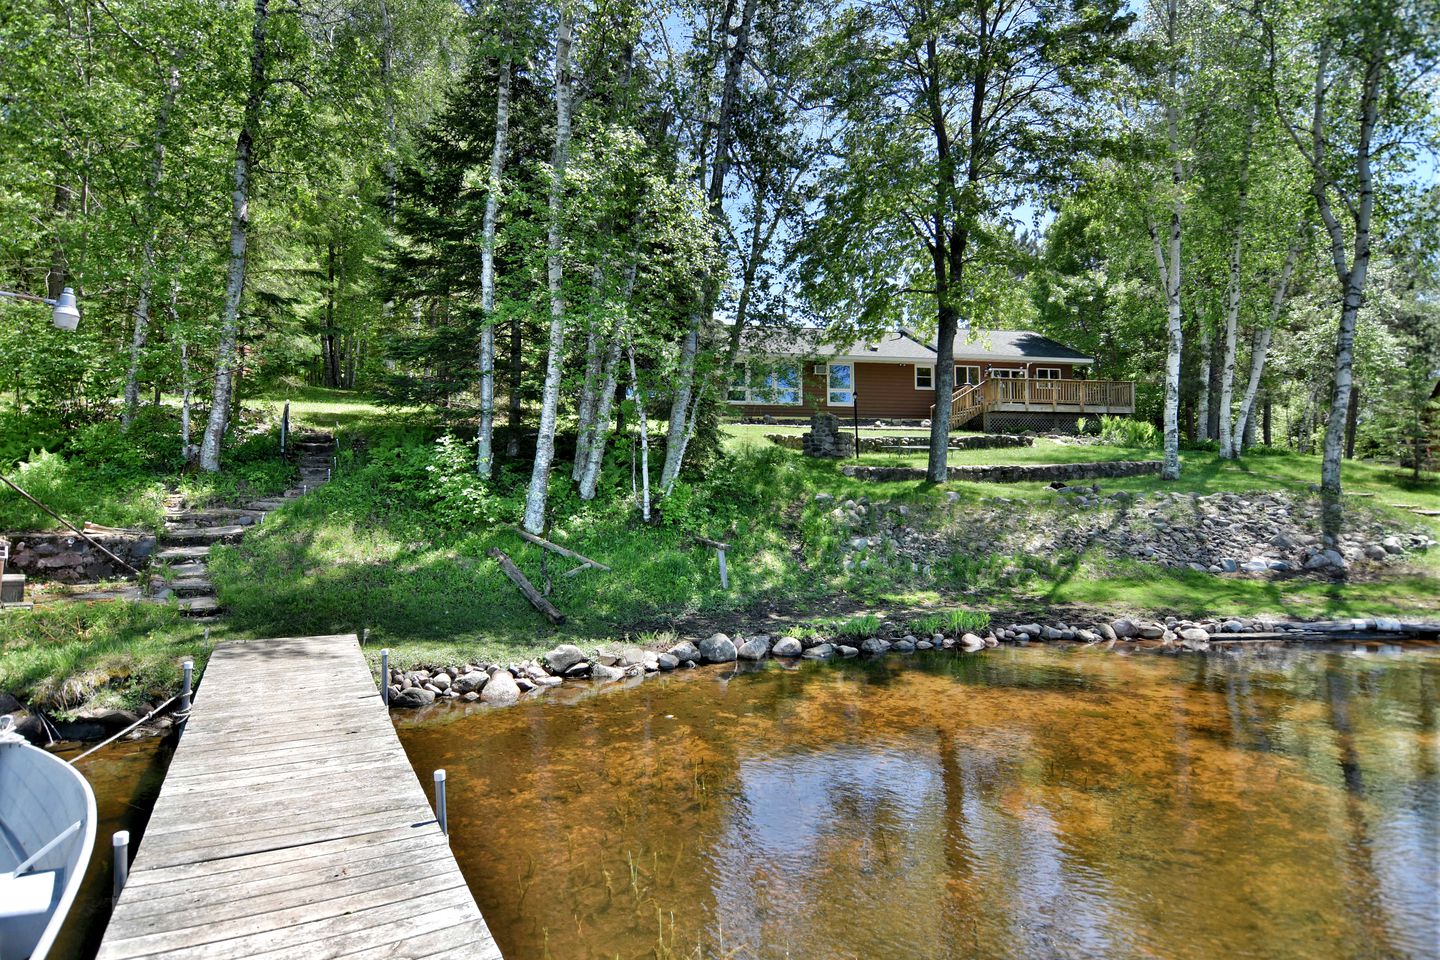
[563, 551]
[536, 598]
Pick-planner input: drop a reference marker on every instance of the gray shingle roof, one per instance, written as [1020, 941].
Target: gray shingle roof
[979, 345]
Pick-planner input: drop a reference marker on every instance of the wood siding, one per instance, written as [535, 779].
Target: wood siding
[885, 390]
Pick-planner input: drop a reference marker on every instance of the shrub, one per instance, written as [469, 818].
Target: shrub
[1126, 432]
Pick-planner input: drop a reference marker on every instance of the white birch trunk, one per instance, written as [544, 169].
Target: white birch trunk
[239, 242]
[609, 379]
[1260, 348]
[682, 418]
[1202, 412]
[538, 492]
[585, 414]
[644, 432]
[1229, 441]
[147, 250]
[485, 443]
[1170, 272]
[187, 450]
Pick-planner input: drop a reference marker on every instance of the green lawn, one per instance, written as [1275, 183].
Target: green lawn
[397, 546]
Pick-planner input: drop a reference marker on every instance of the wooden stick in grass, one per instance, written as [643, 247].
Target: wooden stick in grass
[536, 598]
[563, 551]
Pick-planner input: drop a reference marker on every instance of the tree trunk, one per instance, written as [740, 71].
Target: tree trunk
[1352, 416]
[332, 356]
[538, 492]
[1170, 271]
[147, 247]
[681, 417]
[239, 240]
[610, 375]
[1229, 448]
[485, 452]
[1205, 379]
[1352, 274]
[644, 432]
[589, 399]
[517, 375]
[1267, 434]
[1261, 345]
[186, 449]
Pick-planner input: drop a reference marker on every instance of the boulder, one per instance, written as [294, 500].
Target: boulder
[563, 657]
[1375, 551]
[685, 650]
[903, 646]
[441, 681]
[667, 661]
[822, 652]
[412, 697]
[501, 688]
[874, 646]
[787, 647]
[845, 651]
[756, 648]
[470, 682]
[1149, 631]
[605, 674]
[970, 643]
[1194, 635]
[1123, 628]
[717, 648]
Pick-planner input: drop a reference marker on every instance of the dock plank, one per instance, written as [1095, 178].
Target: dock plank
[319, 845]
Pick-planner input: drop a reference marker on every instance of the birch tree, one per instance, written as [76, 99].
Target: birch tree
[1368, 64]
[537, 494]
[485, 445]
[239, 240]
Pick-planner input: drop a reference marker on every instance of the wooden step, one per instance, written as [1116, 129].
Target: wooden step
[198, 535]
[201, 552]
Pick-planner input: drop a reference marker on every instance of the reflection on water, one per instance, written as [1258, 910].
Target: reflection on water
[1034, 802]
[126, 778]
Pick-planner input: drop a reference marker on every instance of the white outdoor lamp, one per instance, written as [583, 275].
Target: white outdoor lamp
[66, 314]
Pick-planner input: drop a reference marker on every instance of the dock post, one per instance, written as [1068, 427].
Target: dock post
[188, 667]
[724, 573]
[440, 802]
[120, 847]
[385, 676]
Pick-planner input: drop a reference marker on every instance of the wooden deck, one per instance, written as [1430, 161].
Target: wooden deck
[295, 828]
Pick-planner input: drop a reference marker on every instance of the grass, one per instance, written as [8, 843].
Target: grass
[397, 546]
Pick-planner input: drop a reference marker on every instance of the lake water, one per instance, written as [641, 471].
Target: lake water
[1026, 802]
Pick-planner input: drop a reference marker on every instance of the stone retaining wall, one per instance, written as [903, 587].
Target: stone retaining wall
[67, 558]
[1030, 473]
[983, 441]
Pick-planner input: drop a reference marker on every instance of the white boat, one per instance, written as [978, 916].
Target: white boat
[47, 830]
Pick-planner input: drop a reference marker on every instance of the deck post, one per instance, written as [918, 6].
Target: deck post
[385, 676]
[440, 802]
[120, 849]
[188, 674]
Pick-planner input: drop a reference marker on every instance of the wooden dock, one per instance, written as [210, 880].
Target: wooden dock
[293, 827]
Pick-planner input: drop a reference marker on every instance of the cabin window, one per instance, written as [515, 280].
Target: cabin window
[840, 384]
[924, 377]
[777, 384]
[1007, 373]
[966, 375]
[1047, 373]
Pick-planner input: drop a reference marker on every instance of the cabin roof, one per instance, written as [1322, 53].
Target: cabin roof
[902, 345]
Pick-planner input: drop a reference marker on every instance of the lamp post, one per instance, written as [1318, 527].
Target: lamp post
[66, 314]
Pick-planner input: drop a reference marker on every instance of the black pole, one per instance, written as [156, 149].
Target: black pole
[855, 412]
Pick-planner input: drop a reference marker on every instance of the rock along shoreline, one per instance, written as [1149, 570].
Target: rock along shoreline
[501, 685]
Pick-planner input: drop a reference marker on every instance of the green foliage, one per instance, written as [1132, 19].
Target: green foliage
[1128, 432]
[858, 628]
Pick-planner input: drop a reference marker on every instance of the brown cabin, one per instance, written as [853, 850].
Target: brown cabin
[1004, 380]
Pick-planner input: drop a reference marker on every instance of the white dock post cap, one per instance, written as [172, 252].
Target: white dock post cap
[121, 838]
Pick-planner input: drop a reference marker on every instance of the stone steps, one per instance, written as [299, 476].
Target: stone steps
[214, 516]
[182, 571]
[185, 586]
[203, 535]
[201, 552]
[195, 606]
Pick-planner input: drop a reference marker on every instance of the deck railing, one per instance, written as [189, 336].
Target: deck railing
[1068, 396]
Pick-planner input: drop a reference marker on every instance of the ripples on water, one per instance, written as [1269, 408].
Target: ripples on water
[1035, 802]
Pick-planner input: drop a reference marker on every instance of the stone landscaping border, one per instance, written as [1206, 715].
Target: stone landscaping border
[1015, 473]
[983, 441]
